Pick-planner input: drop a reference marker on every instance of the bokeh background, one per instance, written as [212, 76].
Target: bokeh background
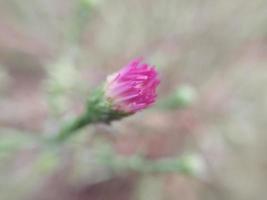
[212, 107]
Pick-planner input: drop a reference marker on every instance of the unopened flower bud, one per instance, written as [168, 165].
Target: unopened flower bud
[133, 88]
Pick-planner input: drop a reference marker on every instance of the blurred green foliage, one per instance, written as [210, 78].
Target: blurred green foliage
[63, 79]
[190, 164]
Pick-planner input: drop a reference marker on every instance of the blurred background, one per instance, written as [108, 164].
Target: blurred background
[210, 116]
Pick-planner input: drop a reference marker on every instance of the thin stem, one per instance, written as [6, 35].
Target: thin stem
[68, 129]
[98, 110]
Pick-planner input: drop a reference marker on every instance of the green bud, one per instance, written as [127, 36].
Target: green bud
[183, 96]
[193, 165]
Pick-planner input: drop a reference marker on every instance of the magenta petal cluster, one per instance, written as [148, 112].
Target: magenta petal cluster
[133, 88]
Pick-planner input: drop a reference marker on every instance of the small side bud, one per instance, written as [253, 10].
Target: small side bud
[193, 165]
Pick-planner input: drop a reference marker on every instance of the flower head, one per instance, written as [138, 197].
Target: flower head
[133, 88]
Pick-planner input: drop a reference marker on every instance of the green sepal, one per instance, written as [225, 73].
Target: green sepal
[98, 110]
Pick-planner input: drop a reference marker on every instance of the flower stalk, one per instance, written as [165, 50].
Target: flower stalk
[98, 110]
[124, 93]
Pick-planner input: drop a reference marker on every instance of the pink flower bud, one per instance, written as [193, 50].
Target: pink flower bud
[133, 88]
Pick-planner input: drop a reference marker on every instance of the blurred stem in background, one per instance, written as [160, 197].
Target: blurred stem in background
[62, 79]
[63, 74]
[80, 19]
[188, 164]
[12, 140]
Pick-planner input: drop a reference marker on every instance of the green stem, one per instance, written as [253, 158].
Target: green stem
[68, 129]
[98, 110]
